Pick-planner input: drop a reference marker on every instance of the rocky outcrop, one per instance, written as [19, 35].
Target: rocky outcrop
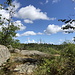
[26, 68]
[25, 60]
[33, 52]
[4, 54]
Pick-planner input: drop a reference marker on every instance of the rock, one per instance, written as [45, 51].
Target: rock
[11, 49]
[25, 60]
[16, 50]
[33, 52]
[26, 68]
[4, 54]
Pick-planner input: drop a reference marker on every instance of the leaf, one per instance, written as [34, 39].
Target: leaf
[67, 21]
[6, 8]
[62, 20]
[0, 14]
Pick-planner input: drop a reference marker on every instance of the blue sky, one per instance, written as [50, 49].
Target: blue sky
[38, 20]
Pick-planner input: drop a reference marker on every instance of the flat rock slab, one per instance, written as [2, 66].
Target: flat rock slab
[33, 52]
[4, 54]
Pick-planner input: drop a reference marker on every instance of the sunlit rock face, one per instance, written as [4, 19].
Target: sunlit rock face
[4, 54]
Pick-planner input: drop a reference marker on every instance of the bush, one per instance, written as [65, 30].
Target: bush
[69, 54]
[52, 66]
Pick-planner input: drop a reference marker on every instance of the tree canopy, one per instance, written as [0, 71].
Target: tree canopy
[8, 29]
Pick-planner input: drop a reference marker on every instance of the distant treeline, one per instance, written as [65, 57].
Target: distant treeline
[35, 46]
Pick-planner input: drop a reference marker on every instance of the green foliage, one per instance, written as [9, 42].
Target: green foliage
[51, 66]
[59, 65]
[7, 35]
[8, 30]
[69, 51]
[52, 51]
[62, 64]
[40, 47]
[16, 44]
[69, 54]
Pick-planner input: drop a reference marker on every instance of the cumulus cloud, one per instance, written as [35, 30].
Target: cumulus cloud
[5, 13]
[19, 24]
[51, 29]
[28, 33]
[32, 13]
[28, 21]
[28, 13]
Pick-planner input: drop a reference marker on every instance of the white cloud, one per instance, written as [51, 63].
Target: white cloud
[14, 8]
[18, 35]
[39, 33]
[28, 21]
[73, 0]
[51, 29]
[32, 13]
[52, 18]
[42, 3]
[28, 33]
[17, 5]
[19, 24]
[4, 14]
[73, 24]
[55, 1]
[47, 1]
[31, 41]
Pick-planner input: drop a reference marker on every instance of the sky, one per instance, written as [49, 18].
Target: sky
[38, 20]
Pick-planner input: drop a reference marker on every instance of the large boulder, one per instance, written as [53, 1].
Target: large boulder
[4, 54]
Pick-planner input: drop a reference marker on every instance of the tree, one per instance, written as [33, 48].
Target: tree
[8, 30]
[68, 25]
